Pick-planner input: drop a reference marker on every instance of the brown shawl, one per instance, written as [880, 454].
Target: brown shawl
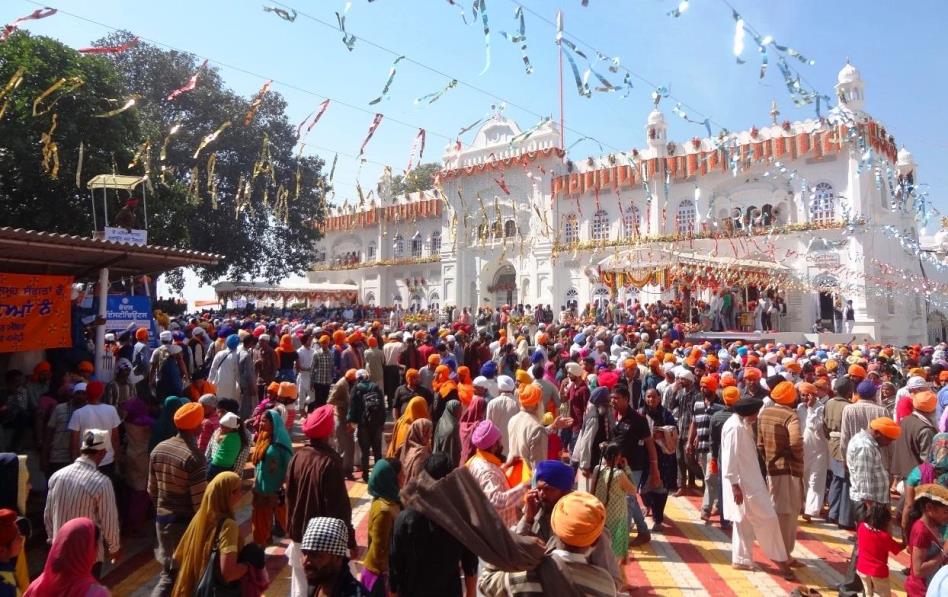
[458, 505]
[417, 448]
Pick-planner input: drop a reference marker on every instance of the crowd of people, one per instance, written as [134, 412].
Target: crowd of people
[504, 455]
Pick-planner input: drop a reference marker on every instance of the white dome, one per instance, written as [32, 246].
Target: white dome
[905, 157]
[656, 117]
[848, 74]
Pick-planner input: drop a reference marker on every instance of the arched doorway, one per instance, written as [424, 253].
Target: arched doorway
[504, 286]
[828, 287]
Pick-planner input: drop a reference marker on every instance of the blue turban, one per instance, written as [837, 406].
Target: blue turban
[866, 390]
[600, 396]
[742, 350]
[580, 339]
[537, 357]
[233, 341]
[451, 363]
[556, 474]
[489, 369]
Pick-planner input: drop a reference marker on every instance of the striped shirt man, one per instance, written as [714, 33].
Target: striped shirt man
[78, 490]
[177, 477]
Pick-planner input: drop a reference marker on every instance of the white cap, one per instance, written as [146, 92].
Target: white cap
[916, 383]
[362, 374]
[165, 336]
[574, 369]
[481, 382]
[450, 338]
[505, 383]
[79, 387]
[406, 336]
[685, 374]
[95, 439]
[110, 337]
[230, 420]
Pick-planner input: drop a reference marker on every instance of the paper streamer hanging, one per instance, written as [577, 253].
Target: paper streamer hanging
[163, 154]
[211, 179]
[738, 36]
[481, 5]
[208, 139]
[679, 10]
[570, 49]
[347, 39]
[110, 49]
[191, 84]
[39, 13]
[286, 15]
[50, 150]
[419, 144]
[684, 116]
[139, 154]
[433, 97]
[520, 38]
[66, 85]
[376, 121]
[128, 104]
[332, 170]
[388, 82]
[10, 87]
[82, 148]
[318, 114]
[257, 102]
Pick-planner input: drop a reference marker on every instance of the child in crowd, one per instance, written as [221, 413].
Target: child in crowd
[212, 419]
[286, 395]
[11, 544]
[611, 485]
[928, 519]
[875, 545]
[231, 441]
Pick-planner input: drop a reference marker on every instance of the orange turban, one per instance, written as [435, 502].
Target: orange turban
[542, 339]
[793, 366]
[190, 416]
[823, 385]
[752, 374]
[141, 334]
[86, 367]
[832, 365]
[669, 358]
[753, 360]
[324, 340]
[372, 342]
[578, 519]
[925, 401]
[886, 427]
[857, 371]
[709, 382]
[805, 387]
[412, 376]
[339, 337]
[287, 390]
[629, 364]
[728, 381]
[273, 388]
[434, 359]
[917, 372]
[351, 375]
[530, 395]
[640, 358]
[731, 395]
[784, 393]
[42, 367]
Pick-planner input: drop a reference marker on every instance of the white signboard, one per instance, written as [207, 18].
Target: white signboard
[126, 236]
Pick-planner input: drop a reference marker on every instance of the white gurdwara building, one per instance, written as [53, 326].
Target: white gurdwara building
[810, 211]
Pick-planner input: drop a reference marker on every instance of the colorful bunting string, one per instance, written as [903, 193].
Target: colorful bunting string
[520, 38]
[286, 15]
[190, 85]
[347, 39]
[257, 102]
[481, 5]
[433, 97]
[318, 114]
[163, 154]
[39, 13]
[419, 144]
[388, 82]
[127, 105]
[110, 49]
[66, 84]
[10, 87]
[210, 138]
[679, 10]
[50, 150]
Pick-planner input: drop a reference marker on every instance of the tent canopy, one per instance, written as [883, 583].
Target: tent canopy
[657, 258]
[115, 181]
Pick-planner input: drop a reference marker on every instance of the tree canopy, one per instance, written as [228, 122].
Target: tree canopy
[246, 195]
[419, 179]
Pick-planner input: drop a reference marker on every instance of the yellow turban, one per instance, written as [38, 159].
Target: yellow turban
[530, 395]
[886, 427]
[578, 519]
[523, 377]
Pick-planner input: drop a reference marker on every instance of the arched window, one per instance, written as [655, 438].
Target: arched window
[435, 243]
[399, 246]
[686, 217]
[370, 299]
[767, 215]
[572, 297]
[630, 222]
[751, 216]
[510, 229]
[600, 225]
[737, 218]
[370, 251]
[496, 229]
[482, 232]
[434, 301]
[570, 229]
[822, 203]
[414, 302]
[416, 245]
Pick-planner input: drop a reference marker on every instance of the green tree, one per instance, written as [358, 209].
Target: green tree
[419, 179]
[260, 208]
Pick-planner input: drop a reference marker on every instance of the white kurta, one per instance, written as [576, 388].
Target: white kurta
[499, 412]
[815, 456]
[224, 374]
[755, 517]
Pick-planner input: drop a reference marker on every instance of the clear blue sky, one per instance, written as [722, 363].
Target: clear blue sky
[899, 48]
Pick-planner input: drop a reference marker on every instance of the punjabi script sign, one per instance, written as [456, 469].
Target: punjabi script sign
[34, 312]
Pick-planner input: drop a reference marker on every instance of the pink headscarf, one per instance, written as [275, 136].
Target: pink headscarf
[473, 414]
[549, 372]
[68, 569]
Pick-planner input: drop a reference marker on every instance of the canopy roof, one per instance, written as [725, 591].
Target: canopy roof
[33, 252]
[115, 181]
[238, 287]
[656, 258]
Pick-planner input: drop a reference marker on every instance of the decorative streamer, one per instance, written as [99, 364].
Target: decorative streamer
[79, 165]
[679, 10]
[110, 49]
[581, 139]
[376, 121]
[528, 133]
[50, 149]
[39, 13]
[163, 154]
[418, 143]
[388, 82]
[67, 84]
[211, 179]
[738, 36]
[128, 104]
[433, 97]
[257, 102]
[502, 184]
[332, 170]
[10, 87]
[318, 114]
[208, 139]
[347, 39]
[194, 185]
[191, 84]
[684, 116]
[482, 6]
[264, 164]
[286, 15]
[520, 38]
[581, 87]
[139, 154]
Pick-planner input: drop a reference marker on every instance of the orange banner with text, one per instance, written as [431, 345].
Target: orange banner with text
[35, 312]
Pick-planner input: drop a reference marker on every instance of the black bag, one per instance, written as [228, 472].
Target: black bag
[139, 367]
[211, 583]
[374, 404]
